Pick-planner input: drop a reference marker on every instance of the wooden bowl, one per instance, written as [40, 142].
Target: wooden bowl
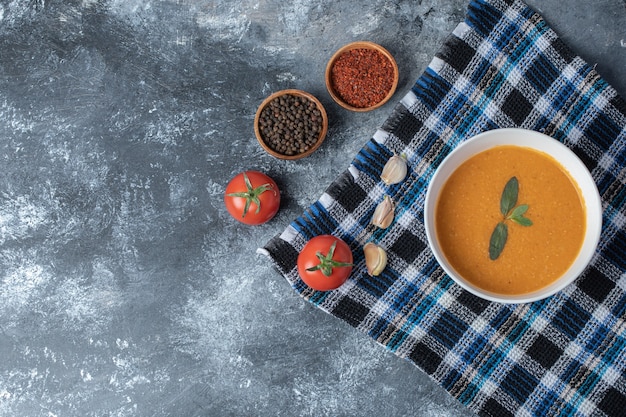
[312, 148]
[346, 103]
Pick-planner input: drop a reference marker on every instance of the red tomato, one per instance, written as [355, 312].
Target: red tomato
[252, 197]
[325, 262]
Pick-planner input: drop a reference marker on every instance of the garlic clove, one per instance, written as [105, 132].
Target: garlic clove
[375, 259]
[384, 213]
[394, 170]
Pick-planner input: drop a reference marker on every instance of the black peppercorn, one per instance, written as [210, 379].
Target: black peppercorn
[290, 124]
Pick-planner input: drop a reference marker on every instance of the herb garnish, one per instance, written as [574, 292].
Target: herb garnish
[510, 211]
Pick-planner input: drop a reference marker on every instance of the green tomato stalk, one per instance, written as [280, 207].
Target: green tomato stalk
[251, 195]
[327, 263]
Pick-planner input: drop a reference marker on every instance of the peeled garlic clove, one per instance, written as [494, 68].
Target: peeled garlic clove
[375, 258]
[383, 215]
[394, 170]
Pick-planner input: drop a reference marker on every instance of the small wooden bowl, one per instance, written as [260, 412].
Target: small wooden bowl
[293, 92]
[360, 45]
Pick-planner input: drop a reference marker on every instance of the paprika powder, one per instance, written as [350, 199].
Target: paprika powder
[362, 77]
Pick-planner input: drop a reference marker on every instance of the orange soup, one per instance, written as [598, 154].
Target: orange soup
[533, 256]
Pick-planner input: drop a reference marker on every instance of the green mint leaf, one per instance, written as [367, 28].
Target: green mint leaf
[508, 200]
[522, 221]
[509, 196]
[519, 211]
[497, 241]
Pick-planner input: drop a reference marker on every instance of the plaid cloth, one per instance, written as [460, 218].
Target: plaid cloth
[502, 67]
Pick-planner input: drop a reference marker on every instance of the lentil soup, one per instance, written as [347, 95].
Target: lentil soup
[468, 209]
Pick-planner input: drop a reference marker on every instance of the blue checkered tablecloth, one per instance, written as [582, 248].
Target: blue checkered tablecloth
[502, 67]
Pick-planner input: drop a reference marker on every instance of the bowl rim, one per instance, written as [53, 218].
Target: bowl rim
[361, 45]
[541, 142]
[296, 92]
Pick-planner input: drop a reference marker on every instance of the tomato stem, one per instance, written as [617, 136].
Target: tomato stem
[251, 194]
[327, 263]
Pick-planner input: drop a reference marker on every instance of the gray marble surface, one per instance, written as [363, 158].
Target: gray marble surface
[125, 287]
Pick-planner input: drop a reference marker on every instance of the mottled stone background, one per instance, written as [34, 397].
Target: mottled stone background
[125, 288]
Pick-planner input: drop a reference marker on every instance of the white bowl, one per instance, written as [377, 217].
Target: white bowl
[526, 138]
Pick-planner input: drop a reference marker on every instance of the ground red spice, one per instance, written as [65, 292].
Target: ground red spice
[362, 77]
